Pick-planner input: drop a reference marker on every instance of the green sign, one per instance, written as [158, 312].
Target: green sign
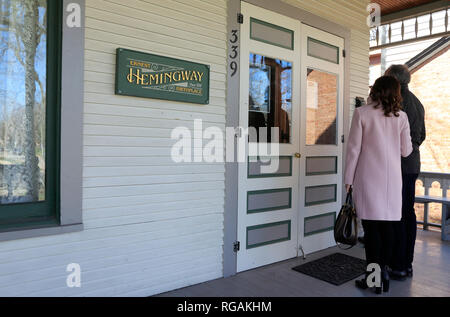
[152, 76]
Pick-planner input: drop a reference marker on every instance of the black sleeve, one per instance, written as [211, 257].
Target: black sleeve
[421, 113]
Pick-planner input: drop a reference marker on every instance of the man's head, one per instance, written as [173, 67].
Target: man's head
[401, 72]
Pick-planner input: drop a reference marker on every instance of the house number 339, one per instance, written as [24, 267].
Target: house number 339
[234, 52]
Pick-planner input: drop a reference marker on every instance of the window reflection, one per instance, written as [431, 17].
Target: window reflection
[23, 53]
[321, 107]
[270, 96]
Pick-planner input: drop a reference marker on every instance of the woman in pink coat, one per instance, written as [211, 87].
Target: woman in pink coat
[379, 137]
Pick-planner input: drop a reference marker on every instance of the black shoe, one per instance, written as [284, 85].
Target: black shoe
[397, 275]
[361, 240]
[384, 288]
[385, 279]
[409, 272]
[362, 284]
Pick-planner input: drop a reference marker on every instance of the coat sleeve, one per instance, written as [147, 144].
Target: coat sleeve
[416, 116]
[405, 138]
[353, 148]
[423, 131]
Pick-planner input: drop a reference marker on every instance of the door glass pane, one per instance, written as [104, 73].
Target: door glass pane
[322, 96]
[270, 97]
[23, 52]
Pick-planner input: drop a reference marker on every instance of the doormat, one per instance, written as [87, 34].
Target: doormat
[336, 269]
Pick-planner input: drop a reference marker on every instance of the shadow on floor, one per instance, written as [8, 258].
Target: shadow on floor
[431, 277]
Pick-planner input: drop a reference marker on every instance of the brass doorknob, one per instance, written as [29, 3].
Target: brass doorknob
[298, 155]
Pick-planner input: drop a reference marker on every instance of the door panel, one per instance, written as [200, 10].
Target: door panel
[268, 201]
[320, 141]
[292, 78]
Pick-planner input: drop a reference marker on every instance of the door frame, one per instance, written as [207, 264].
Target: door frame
[233, 100]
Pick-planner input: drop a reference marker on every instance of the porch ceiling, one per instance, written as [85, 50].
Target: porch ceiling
[391, 6]
[393, 11]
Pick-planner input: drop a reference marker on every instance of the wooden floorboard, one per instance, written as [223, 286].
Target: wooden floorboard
[431, 277]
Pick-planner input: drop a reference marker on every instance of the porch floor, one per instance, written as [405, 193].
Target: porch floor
[431, 277]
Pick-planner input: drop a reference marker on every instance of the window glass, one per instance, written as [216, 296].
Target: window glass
[270, 96]
[23, 77]
[321, 104]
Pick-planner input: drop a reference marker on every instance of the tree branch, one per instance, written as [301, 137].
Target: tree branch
[4, 20]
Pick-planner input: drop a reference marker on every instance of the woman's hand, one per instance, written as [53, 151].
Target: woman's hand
[347, 188]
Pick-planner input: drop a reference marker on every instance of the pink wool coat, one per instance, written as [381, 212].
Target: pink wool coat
[373, 163]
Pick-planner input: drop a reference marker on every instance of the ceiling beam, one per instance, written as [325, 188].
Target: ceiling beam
[423, 38]
[411, 12]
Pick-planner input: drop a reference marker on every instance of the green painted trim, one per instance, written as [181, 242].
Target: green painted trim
[280, 28]
[271, 241]
[269, 191]
[335, 171]
[45, 213]
[321, 230]
[269, 175]
[322, 201]
[310, 39]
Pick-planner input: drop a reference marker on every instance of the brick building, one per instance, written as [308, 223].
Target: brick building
[430, 84]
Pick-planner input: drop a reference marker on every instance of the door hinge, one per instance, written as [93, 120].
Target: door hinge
[237, 247]
[343, 138]
[344, 53]
[240, 18]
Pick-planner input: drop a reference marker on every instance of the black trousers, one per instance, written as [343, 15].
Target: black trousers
[406, 230]
[378, 241]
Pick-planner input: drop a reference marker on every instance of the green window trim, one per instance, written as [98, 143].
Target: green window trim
[46, 213]
[269, 191]
[269, 175]
[321, 202]
[274, 26]
[337, 61]
[333, 172]
[288, 238]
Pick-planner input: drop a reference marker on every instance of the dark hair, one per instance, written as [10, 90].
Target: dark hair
[386, 91]
[401, 72]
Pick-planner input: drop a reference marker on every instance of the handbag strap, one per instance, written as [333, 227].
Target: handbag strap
[349, 199]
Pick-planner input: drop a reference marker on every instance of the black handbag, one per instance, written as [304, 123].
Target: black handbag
[346, 226]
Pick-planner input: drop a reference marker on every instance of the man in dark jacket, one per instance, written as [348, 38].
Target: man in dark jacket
[406, 229]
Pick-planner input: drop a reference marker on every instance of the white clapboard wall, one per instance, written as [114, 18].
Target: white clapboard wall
[403, 53]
